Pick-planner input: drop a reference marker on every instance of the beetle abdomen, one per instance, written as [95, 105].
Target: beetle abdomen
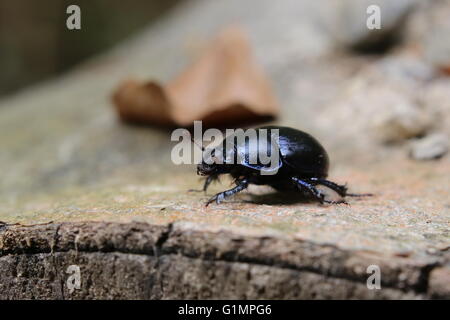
[302, 152]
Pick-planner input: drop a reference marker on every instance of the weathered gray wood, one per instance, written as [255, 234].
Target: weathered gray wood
[119, 208]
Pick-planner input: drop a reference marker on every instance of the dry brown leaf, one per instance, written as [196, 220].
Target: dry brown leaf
[446, 70]
[224, 87]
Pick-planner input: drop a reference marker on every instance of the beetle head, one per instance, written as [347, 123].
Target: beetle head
[212, 163]
[205, 169]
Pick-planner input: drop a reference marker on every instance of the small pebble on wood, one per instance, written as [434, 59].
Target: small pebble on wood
[430, 147]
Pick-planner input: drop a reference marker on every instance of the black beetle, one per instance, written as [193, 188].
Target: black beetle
[303, 164]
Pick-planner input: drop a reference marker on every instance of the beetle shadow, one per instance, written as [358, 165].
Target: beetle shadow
[280, 198]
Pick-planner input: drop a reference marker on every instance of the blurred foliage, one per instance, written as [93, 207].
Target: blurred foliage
[35, 43]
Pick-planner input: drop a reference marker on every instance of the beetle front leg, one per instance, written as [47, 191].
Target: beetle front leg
[241, 185]
[208, 181]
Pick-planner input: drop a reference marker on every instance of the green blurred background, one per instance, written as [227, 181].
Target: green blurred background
[35, 43]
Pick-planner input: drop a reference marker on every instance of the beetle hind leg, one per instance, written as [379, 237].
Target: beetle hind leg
[317, 194]
[241, 185]
[340, 189]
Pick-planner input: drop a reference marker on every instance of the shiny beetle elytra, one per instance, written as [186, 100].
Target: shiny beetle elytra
[303, 165]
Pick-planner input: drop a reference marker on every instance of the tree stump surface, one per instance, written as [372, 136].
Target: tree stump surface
[80, 188]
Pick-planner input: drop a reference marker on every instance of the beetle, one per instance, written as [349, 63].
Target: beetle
[303, 164]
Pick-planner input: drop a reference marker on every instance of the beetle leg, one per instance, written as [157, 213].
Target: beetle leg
[341, 190]
[241, 185]
[314, 191]
[310, 188]
[208, 181]
[359, 194]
